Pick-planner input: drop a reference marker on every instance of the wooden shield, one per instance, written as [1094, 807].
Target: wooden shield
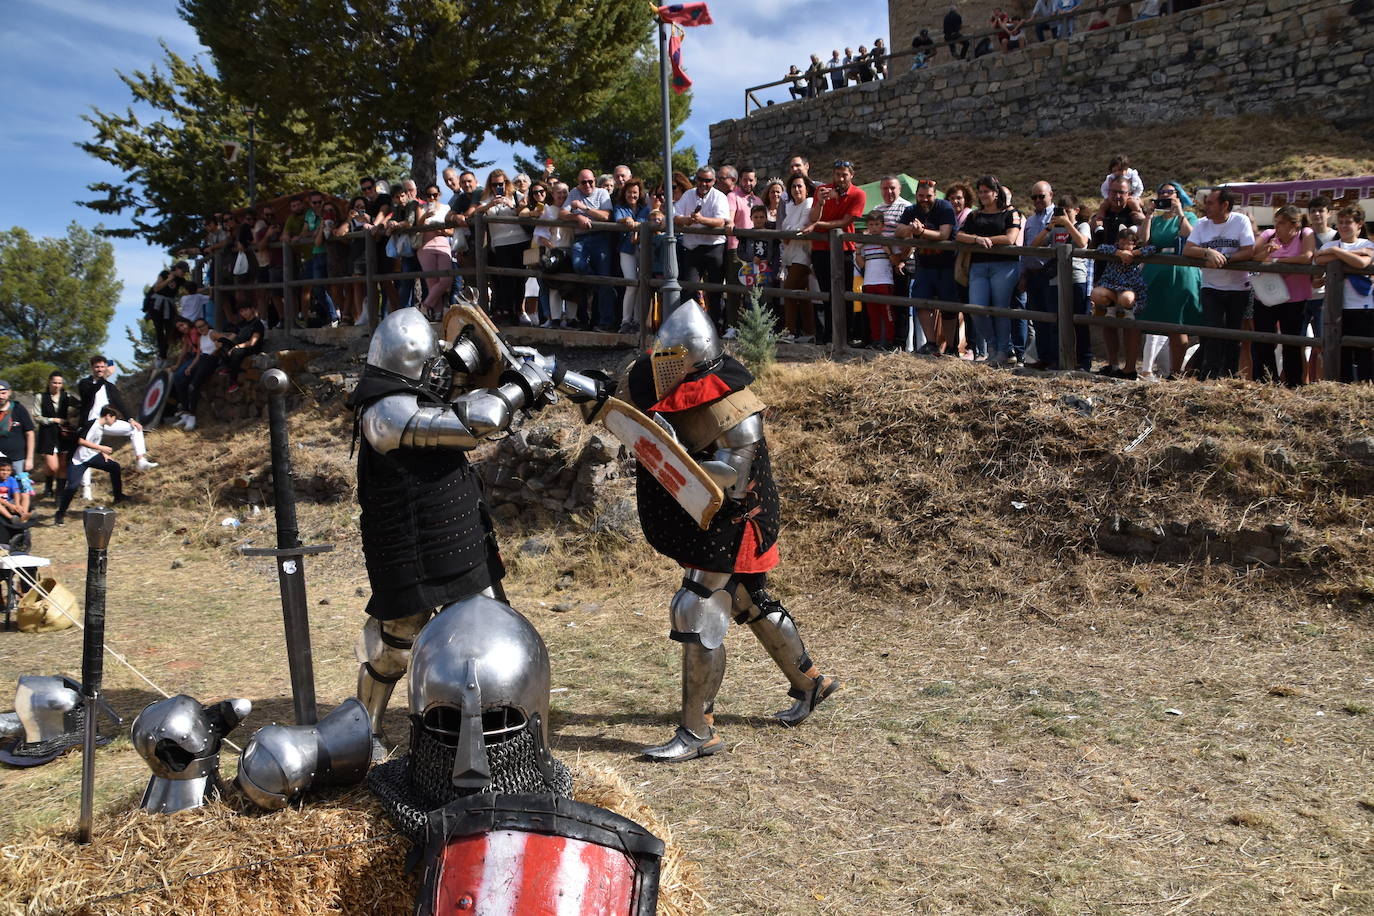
[665, 458]
[488, 339]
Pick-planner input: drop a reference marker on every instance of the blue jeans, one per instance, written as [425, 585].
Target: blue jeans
[992, 284]
[591, 256]
[409, 264]
[936, 283]
[317, 268]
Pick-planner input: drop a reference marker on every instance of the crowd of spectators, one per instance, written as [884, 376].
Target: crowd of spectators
[1129, 225]
[838, 72]
[413, 232]
[1046, 20]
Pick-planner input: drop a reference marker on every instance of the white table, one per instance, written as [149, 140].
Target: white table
[9, 563]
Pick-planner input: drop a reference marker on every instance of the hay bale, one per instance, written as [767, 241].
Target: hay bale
[335, 854]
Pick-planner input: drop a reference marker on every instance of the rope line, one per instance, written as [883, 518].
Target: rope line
[232, 868]
[33, 584]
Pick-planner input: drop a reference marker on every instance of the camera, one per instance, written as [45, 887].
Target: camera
[1162, 204]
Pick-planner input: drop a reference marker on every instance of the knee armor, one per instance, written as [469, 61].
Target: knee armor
[700, 611]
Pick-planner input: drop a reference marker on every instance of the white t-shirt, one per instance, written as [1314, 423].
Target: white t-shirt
[877, 268]
[713, 206]
[1358, 293]
[94, 435]
[1227, 238]
[795, 218]
[556, 236]
[193, 306]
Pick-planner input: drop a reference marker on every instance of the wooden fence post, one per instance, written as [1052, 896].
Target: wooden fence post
[1333, 301]
[839, 308]
[477, 245]
[1063, 273]
[643, 291]
[288, 292]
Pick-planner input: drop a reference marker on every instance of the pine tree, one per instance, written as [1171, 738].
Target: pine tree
[756, 341]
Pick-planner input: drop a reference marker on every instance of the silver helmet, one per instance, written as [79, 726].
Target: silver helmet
[283, 761]
[479, 710]
[479, 676]
[49, 720]
[405, 345]
[47, 706]
[686, 341]
[180, 740]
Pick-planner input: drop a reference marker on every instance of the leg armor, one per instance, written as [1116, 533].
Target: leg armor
[384, 650]
[777, 631]
[700, 618]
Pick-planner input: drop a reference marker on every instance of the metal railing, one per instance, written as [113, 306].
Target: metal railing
[968, 40]
[840, 299]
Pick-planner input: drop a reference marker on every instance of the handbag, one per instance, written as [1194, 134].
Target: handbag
[1270, 289]
[555, 261]
[531, 256]
[961, 265]
[241, 264]
[391, 247]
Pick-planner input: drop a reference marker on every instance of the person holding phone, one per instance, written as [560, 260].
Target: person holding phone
[1174, 291]
[508, 243]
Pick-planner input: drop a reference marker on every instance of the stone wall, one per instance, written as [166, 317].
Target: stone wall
[1228, 58]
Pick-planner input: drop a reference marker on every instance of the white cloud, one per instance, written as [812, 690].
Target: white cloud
[125, 17]
[755, 43]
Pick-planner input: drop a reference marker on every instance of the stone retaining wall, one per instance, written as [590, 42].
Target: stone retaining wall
[1234, 57]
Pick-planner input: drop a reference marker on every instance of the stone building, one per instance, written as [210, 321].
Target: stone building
[1226, 58]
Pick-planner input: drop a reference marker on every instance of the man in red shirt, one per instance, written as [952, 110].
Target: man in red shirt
[835, 206]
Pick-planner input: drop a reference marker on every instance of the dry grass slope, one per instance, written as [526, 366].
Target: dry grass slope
[1195, 152]
[1028, 725]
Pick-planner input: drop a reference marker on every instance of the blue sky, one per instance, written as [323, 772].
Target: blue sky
[58, 59]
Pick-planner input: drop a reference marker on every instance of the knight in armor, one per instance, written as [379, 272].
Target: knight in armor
[689, 384]
[427, 537]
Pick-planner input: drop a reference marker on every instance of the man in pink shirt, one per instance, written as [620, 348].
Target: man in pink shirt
[738, 185]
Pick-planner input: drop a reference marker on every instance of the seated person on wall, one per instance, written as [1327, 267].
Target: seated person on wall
[243, 343]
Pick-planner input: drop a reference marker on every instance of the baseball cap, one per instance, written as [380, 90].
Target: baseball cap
[4, 386]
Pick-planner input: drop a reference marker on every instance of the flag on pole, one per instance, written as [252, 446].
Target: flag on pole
[681, 81]
[685, 14]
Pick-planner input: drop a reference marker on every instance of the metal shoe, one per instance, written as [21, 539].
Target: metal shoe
[807, 701]
[685, 746]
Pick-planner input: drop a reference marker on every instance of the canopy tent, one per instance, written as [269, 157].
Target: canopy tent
[906, 190]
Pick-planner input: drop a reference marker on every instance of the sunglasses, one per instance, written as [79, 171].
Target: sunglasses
[701, 180]
[316, 202]
[925, 182]
[434, 196]
[843, 164]
[587, 181]
[1040, 197]
[368, 187]
[539, 191]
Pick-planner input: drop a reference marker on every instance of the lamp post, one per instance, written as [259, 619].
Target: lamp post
[670, 293]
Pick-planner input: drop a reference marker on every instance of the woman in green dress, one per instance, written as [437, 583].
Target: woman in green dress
[1174, 291]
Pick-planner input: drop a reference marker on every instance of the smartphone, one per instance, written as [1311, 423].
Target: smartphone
[499, 188]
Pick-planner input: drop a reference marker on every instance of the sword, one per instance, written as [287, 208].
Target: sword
[99, 527]
[289, 553]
